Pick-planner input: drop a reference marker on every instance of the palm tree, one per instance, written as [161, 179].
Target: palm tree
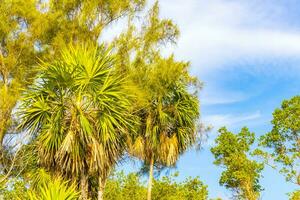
[169, 116]
[78, 112]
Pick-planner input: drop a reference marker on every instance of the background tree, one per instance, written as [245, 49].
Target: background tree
[166, 188]
[78, 112]
[17, 56]
[130, 187]
[284, 139]
[241, 174]
[125, 187]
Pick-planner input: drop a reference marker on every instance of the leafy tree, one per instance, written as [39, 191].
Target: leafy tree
[78, 112]
[17, 56]
[284, 139]
[79, 21]
[241, 174]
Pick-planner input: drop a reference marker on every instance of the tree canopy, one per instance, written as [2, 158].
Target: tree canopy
[283, 140]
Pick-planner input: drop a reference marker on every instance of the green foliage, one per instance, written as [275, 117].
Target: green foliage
[125, 187]
[167, 189]
[241, 174]
[40, 187]
[17, 56]
[284, 139]
[118, 187]
[130, 187]
[294, 195]
[14, 189]
[56, 189]
[139, 45]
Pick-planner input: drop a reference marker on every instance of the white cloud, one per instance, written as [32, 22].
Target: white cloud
[230, 120]
[217, 31]
[213, 96]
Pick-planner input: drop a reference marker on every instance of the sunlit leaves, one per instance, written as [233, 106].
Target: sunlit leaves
[131, 187]
[56, 189]
[284, 138]
[241, 174]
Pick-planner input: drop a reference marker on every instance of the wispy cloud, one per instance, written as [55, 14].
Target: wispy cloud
[215, 32]
[218, 31]
[218, 35]
[230, 120]
[213, 96]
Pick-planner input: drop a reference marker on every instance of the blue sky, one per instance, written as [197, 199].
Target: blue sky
[247, 53]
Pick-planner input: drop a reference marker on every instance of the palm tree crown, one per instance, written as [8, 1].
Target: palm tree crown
[78, 111]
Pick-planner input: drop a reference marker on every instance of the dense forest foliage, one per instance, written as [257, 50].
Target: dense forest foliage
[73, 107]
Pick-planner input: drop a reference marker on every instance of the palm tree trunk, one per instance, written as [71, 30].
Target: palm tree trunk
[2, 132]
[150, 178]
[3, 119]
[3, 125]
[101, 188]
[84, 187]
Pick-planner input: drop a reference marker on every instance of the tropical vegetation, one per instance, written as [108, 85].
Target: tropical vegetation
[74, 108]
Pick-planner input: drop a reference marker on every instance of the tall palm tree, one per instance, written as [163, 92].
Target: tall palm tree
[78, 112]
[169, 115]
